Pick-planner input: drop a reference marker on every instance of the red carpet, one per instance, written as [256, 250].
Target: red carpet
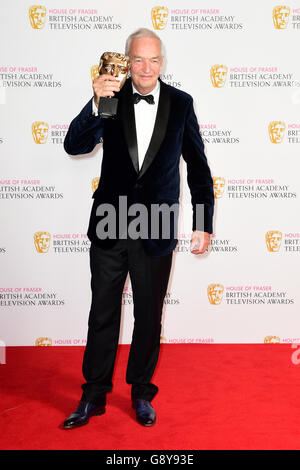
[211, 397]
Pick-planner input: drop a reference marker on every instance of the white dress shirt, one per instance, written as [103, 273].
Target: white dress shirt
[145, 115]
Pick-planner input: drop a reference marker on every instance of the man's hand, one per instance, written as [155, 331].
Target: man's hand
[199, 242]
[105, 85]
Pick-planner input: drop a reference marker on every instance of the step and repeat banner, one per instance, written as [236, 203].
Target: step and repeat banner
[239, 61]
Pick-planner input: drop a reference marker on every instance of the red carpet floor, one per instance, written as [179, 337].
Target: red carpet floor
[211, 397]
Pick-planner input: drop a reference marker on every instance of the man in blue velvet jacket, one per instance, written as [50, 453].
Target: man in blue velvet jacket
[141, 154]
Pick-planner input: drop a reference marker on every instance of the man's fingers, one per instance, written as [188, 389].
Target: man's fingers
[107, 93]
[106, 77]
[199, 242]
[197, 249]
[103, 91]
[198, 246]
[106, 86]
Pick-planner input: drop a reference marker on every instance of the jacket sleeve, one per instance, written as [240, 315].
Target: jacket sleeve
[198, 174]
[84, 132]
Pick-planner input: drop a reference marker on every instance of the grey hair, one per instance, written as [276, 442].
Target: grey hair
[143, 33]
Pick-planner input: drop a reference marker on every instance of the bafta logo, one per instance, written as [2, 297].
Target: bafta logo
[40, 132]
[159, 16]
[272, 339]
[219, 186]
[94, 71]
[281, 16]
[95, 183]
[37, 16]
[215, 293]
[276, 131]
[42, 241]
[273, 240]
[218, 74]
[43, 342]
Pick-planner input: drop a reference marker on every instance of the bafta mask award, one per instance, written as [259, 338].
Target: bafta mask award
[117, 65]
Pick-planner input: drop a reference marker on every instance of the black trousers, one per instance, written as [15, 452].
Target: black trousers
[149, 280]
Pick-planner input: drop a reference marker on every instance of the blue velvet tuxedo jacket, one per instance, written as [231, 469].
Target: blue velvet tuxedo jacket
[176, 133]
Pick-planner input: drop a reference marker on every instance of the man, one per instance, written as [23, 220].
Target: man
[141, 154]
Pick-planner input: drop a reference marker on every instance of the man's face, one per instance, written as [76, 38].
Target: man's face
[115, 67]
[145, 63]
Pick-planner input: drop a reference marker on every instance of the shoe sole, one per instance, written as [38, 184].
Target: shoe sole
[78, 425]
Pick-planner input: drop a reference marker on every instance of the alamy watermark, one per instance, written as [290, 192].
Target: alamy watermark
[158, 221]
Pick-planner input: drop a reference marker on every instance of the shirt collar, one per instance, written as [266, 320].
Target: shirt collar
[153, 92]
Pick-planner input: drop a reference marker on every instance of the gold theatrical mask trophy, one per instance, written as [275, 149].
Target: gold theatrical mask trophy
[117, 65]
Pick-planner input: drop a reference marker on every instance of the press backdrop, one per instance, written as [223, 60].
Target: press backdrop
[239, 61]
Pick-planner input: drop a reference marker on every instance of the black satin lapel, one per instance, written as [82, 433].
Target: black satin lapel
[160, 127]
[128, 121]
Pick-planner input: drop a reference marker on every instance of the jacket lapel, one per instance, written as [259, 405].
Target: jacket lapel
[160, 128]
[128, 121]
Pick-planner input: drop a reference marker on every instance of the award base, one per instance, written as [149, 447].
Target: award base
[107, 107]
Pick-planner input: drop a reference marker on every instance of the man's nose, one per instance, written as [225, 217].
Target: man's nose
[146, 66]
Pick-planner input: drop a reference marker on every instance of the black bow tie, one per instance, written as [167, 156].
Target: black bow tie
[137, 98]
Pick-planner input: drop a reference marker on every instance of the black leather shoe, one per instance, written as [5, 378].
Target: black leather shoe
[145, 413]
[82, 415]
